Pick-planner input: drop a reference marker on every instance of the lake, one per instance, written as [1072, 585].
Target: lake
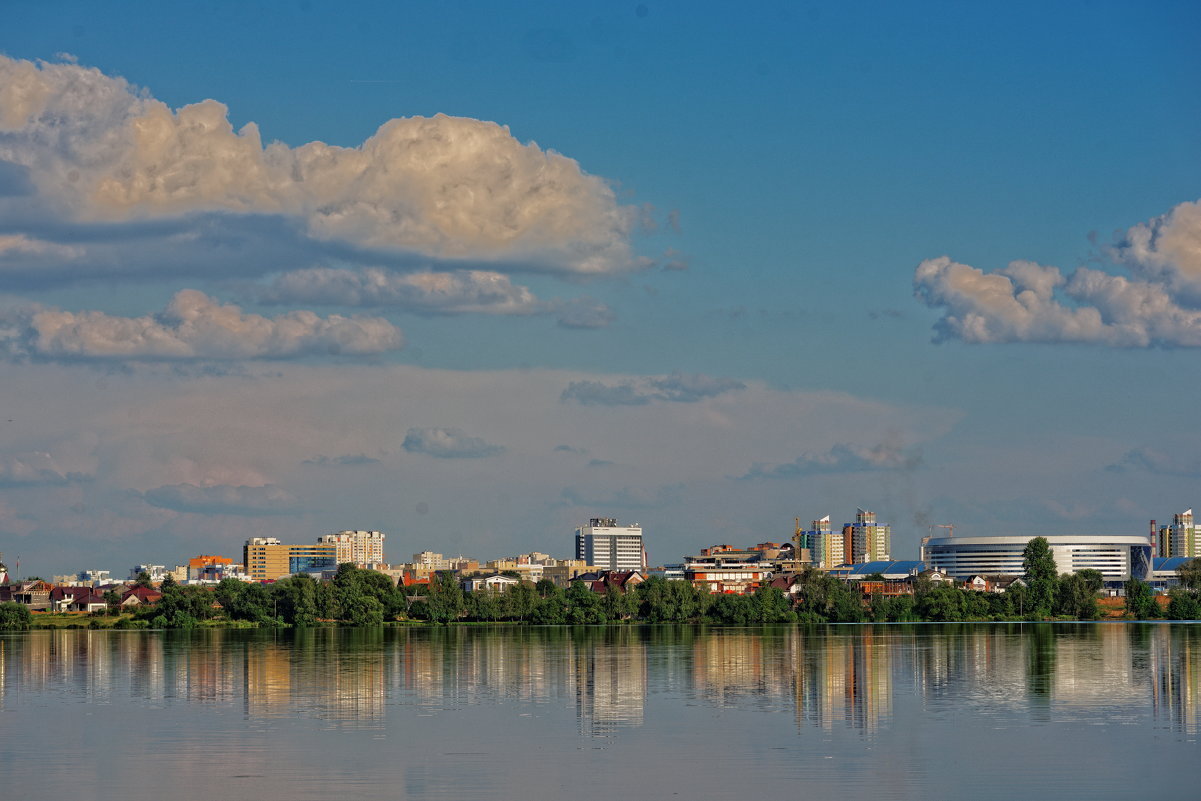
[1090, 711]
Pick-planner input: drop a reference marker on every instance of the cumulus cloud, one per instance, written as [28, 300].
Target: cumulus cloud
[193, 326]
[36, 469]
[842, 458]
[100, 149]
[222, 499]
[456, 292]
[677, 387]
[1019, 304]
[1149, 460]
[1029, 302]
[1167, 247]
[448, 443]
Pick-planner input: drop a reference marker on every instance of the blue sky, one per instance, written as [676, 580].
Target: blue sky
[701, 315]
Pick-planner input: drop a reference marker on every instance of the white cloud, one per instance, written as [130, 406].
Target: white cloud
[677, 387]
[463, 291]
[1167, 247]
[445, 187]
[36, 469]
[1029, 302]
[448, 443]
[221, 499]
[193, 326]
[843, 458]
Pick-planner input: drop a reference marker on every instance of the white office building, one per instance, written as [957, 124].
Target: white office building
[607, 546]
[1116, 557]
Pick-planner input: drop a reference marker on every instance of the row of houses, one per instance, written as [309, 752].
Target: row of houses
[42, 596]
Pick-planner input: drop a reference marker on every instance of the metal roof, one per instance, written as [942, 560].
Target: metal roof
[884, 568]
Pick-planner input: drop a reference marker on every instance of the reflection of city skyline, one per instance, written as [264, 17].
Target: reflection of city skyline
[826, 677]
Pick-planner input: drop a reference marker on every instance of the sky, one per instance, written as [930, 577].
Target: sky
[471, 273]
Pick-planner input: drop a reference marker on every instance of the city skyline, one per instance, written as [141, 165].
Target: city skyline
[472, 276]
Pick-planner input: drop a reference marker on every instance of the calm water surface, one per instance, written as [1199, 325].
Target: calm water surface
[1086, 711]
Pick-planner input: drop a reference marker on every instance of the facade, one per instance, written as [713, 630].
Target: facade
[360, 548]
[199, 565]
[607, 546]
[156, 572]
[267, 559]
[869, 540]
[828, 548]
[1180, 538]
[1116, 558]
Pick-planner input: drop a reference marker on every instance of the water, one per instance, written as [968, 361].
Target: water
[1087, 711]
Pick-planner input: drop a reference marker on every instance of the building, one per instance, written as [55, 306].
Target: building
[1117, 558]
[267, 559]
[1180, 538]
[360, 548]
[198, 566]
[869, 540]
[607, 546]
[156, 572]
[828, 548]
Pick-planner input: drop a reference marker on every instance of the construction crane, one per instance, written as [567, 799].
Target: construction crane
[796, 547]
[950, 527]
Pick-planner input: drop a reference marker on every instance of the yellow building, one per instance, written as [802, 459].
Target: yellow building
[267, 559]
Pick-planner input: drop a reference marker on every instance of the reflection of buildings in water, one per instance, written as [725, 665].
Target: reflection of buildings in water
[731, 666]
[460, 667]
[205, 673]
[610, 682]
[847, 678]
[358, 681]
[334, 673]
[1095, 668]
[1176, 675]
[3, 672]
[143, 661]
[267, 680]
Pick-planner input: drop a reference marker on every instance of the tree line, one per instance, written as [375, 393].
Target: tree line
[359, 597]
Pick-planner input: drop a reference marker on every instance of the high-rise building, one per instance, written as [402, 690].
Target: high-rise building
[827, 547]
[266, 558]
[1180, 538]
[607, 546]
[870, 541]
[360, 548]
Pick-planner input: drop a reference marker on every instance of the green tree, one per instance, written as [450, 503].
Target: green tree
[769, 605]
[1039, 565]
[14, 616]
[168, 582]
[444, 598]
[519, 601]
[143, 580]
[1076, 595]
[296, 599]
[1184, 605]
[583, 605]
[113, 599]
[1140, 600]
[1190, 575]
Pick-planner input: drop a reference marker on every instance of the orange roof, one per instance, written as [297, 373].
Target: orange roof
[204, 560]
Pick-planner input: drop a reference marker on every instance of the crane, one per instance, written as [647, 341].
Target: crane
[950, 527]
